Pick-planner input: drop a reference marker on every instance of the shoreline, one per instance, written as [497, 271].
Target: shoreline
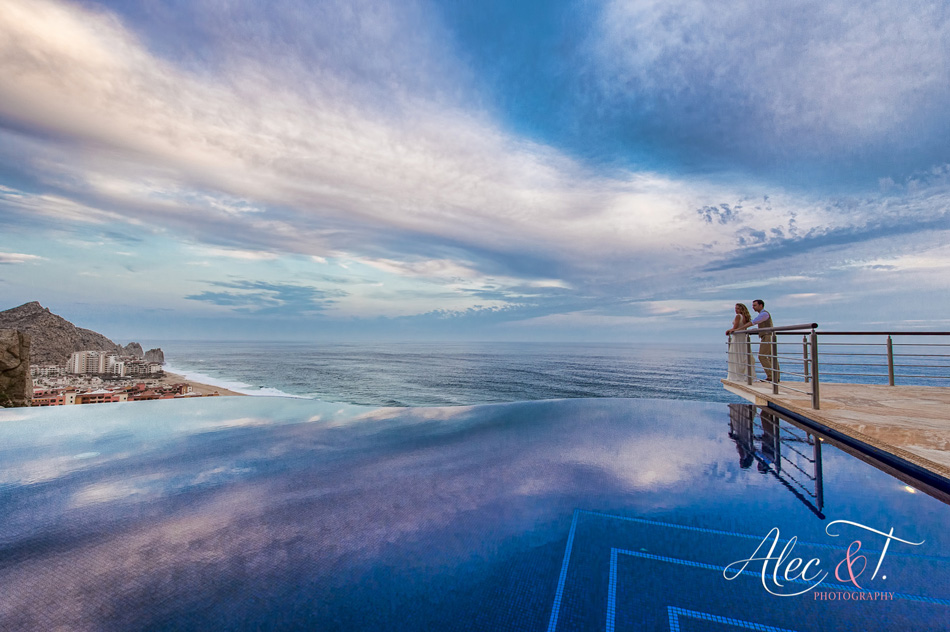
[197, 387]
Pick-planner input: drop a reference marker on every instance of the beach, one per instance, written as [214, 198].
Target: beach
[197, 387]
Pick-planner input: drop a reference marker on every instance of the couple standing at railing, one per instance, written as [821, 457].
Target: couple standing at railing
[741, 366]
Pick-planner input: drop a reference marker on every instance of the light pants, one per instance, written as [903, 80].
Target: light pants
[767, 357]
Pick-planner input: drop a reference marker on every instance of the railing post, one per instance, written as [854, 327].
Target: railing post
[815, 398]
[805, 358]
[774, 362]
[750, 361]
[890, 361]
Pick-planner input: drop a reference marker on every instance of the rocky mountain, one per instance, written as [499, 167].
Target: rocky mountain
[155, 355]
[54, 338]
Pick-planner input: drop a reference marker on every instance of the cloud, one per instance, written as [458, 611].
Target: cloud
[919, 206]
[56, 207]
[762, 282]
[248, 255]
[927, 260]
[281, 161]
[763, 250]
[462, 276]
[751, 81]
[15, 257]
[269, 298]
[722, 214]
[323, 131]
[586, 319]
[427, 268]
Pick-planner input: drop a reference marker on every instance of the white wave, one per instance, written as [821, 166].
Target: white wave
[237, 387]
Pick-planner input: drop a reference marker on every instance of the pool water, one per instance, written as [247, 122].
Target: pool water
[603, 514]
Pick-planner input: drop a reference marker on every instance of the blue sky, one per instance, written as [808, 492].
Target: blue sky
[474, 170]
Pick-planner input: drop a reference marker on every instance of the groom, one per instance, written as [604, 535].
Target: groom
[767, 353]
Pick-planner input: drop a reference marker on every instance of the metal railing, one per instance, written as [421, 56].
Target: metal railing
[859, 357]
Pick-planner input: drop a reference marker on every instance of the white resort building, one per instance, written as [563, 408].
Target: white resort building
[103, 363]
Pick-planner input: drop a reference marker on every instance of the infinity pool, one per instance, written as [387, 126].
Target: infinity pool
[606, 514]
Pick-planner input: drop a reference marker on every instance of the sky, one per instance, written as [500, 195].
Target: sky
[474, 170]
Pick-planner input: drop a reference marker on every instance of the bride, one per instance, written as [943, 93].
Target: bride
[740, 349]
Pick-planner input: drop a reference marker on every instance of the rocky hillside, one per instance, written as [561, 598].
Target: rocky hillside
[54, 338]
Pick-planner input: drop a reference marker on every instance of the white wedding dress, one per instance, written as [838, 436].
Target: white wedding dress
[740, 358]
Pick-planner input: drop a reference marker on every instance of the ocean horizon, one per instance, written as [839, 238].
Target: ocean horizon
[452, 374]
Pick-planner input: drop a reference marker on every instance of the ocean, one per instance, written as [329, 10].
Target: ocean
[449, 374]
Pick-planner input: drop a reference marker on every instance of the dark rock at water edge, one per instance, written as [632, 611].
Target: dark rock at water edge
[16, 386]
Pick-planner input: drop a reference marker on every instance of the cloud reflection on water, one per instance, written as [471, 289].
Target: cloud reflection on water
[209, 519]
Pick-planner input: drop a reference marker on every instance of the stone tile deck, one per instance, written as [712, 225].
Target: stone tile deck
[910, 422]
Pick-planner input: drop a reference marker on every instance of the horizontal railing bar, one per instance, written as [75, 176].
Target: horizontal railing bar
[896, 355]
[789, 444]
[786, 445]
[791, 440]
[884, 366]
[798, 438]
[795, 465]
[884, 374]
[853, 364]
[877, 344]
[925, 377]
[850, 355]
[795, 437]
[824, 373]
[839, 355]
[802, 487]
[806, 327]
[791, 479]
[883, 333]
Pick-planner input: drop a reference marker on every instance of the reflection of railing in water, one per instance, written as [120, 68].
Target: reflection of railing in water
[864, 357]
[770, 456]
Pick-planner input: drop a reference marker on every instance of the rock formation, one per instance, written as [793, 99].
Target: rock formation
[155, 355]
[54, 338]
[16, 387]
[133, 349]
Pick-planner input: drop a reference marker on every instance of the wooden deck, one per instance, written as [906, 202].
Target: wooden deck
[909, 422]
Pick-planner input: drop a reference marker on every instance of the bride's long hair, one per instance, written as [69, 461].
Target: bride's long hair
[746, 317]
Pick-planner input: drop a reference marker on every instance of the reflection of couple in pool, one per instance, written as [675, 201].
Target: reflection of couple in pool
[741, 366]
[762, 443]
[742, 431]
